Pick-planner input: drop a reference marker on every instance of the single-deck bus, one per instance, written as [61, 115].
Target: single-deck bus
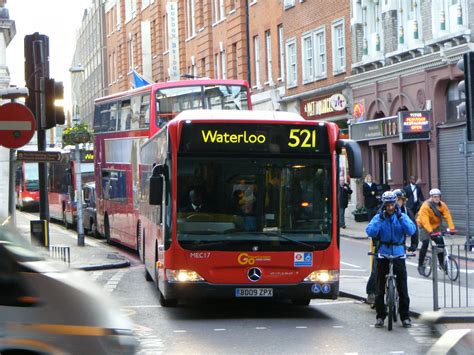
[124, 121]
[242, 204]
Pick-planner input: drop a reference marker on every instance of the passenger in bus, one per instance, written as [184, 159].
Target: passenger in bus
[196, 201]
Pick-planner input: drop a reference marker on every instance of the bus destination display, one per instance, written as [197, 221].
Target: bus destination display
[254, 138]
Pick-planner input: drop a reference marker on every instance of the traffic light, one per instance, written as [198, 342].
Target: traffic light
[54, 114]
[467, 87]
[36, 52]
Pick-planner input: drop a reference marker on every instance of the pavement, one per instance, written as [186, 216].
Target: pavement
[94, 255]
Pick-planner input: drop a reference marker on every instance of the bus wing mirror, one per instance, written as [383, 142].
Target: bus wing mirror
[354, 156]
[156, 184]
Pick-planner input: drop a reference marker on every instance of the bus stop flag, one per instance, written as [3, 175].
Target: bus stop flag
[138, 80]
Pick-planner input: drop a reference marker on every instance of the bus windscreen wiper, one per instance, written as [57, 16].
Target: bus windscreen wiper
[282, 236]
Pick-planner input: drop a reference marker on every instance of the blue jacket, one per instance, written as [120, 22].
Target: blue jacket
[390, 232]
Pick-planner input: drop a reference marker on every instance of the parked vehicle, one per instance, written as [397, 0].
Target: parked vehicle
[46, 308]
[89, 214]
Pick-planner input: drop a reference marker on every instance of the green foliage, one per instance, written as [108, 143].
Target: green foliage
[360, 210]
[78, 134]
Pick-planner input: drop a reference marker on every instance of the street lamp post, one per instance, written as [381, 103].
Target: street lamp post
[77, 156]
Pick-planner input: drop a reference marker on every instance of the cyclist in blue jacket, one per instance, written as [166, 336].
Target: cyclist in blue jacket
[388, 228]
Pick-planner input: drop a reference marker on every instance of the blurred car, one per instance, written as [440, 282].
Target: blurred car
[46, 308]
[89, 209]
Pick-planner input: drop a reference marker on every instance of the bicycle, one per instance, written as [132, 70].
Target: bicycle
[391, 293]
[450, 265]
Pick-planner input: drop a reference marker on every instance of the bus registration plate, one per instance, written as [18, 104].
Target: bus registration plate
[254, 292]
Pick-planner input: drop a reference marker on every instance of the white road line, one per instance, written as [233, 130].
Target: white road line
[447, 341]
[397, 352]
[332, 303]
[220, 330]
[180, 331]
[338, 326]
[301, 327]
[260, 328]
[144, 306]
[356, 270]
[357, 266]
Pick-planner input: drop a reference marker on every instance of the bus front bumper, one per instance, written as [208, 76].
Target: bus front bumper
[200, 290]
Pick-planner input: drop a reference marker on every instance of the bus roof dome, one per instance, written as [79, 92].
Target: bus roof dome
[238, 115]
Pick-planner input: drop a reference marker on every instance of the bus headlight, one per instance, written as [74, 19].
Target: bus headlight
[28, 199]
[323, 276]
[183, 276]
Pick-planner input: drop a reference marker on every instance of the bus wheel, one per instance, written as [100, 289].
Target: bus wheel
[107, 231]
[301, 301]
[172, 302]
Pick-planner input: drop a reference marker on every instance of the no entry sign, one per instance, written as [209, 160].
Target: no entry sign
[17, 125]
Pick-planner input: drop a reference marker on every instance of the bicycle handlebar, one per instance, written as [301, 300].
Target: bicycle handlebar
[392, 257]
[440, 233]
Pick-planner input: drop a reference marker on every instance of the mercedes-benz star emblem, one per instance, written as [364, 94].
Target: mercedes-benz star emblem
[254, 274]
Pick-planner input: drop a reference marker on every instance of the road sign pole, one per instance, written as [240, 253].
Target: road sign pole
[11, 189]
[80, 225]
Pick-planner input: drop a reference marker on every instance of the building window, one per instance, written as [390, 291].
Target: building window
[288, 4]
[130, 9]
[217, 67]
[223, 65]
[190, 19]
[291, 63]
[203, 67]
[256, 51]
[320, 46]
[218, 10]
[307, 57]
[145, 4]
[339, 47]
[268, 42]
[165, 33]
[281, 53]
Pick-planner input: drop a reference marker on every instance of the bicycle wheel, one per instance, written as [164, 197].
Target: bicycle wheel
[426, 267]
[390, 303]
[451, 267]
[395, 306]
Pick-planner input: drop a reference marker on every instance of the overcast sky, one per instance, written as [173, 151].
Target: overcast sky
[59, 20]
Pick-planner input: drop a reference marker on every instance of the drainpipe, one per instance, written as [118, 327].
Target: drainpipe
[247, 30]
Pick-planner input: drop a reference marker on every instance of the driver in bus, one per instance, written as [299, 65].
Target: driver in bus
[196, 201]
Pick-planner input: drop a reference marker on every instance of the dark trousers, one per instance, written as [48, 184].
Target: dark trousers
[424, 248]
[371, 283]
[342, 219]
[400, 270]
[371, 212]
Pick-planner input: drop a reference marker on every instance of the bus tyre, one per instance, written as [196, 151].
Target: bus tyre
[147, 275]
[167, 302]
[301, 301]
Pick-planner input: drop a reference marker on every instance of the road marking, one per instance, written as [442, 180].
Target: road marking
[356, 270]
[111, 285]
[357, 266]
[144, 306]
[180, 331]
[332, 303]
[220, 330]
[397, 352]
[260, 328]
[338, 326]
[447, 341]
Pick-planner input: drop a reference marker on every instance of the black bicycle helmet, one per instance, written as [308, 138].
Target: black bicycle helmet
[400, 193]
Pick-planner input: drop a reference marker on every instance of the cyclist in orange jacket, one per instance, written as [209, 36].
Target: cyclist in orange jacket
[429, 219]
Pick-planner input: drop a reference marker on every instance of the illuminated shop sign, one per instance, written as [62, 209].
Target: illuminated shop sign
[415, 125]
[322, 107]
[406, 126]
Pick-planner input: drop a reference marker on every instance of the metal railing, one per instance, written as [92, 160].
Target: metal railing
[449, 292]
[61, 253]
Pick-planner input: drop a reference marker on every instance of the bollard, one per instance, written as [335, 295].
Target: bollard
[39, 232]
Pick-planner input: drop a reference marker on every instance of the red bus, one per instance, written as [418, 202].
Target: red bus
[62, 184]
[123, 122]
[267, 187]
[27, 186]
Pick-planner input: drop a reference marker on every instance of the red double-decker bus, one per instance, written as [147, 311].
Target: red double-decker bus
[123, 122]
[27, 186]
[243, 204]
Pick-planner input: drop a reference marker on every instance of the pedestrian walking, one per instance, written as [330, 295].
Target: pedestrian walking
[344, 192]
[414, 195]
[369, 190]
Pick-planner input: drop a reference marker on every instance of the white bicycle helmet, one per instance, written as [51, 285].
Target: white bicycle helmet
[434, 192]
[389, 197]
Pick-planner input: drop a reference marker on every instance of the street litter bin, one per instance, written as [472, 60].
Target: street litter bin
[40, 233]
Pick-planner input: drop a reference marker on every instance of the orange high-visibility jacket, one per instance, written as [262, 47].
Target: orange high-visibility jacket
[429, 220]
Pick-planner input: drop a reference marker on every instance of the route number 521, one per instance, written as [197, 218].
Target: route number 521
[302, 138]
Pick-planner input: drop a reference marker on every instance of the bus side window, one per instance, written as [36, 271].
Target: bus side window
[135, 115]
[125, 116]
[145, 111]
